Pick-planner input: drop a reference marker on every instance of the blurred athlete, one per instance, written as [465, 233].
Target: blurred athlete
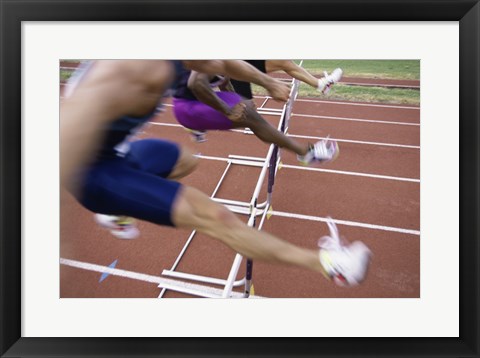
[199, 108]
[110, 175]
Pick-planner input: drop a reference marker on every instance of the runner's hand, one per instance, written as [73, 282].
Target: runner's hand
[278, 90]
[238, 112]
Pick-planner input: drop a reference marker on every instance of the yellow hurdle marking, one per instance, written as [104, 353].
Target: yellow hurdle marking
[270, 212]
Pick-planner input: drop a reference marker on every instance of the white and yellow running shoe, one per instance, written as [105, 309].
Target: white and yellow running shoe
[325, 83]
[323, 151]
[346, 264]
[122, 227]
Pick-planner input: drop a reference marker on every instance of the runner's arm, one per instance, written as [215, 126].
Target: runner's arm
[199, 84]
[293, 70]
[242, 71]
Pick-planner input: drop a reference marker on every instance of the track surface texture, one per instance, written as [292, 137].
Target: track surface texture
[372, 190]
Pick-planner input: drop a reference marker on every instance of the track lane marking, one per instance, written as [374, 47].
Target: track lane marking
[145, 277]
[345, 222]
[348, 103]
[307, 137]
[342, 172]
[356, 141]
[288, 166]
[354, 119]
[342, 118]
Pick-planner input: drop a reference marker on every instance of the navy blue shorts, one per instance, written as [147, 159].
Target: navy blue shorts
[136, 184]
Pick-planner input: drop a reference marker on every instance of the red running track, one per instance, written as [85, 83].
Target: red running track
[373, 188]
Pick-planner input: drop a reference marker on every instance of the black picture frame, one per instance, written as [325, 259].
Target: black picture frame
[13, 12]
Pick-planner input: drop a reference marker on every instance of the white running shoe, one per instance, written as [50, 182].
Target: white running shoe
[346, 264]
[197, 136]
[323, 151]
[122, 227]
[325, 83]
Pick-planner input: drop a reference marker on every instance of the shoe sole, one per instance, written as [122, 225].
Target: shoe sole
[327, 89]
[133, 234]
[194, 139]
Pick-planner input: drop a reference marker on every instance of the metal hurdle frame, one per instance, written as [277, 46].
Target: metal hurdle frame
[251, 208]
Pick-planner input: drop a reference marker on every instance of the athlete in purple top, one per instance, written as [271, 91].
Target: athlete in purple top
[199, 108]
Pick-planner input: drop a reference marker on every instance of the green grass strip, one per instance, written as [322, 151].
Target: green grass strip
[384, 69]
[358, 94]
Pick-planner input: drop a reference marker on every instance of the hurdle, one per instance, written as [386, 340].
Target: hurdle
[252, 208]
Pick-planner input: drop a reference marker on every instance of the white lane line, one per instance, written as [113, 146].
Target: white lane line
[379, 85]
[355, 119]
[111, 271]
[385, 85]
[334, 118]
[344, 118]
[243, 131]
[214, 292]
[180, 126]
[263, 111]
[307, 137]
[349, 103]
[341, 103]
[360, 104]
[344, 222]
[374, 176]
[166, 124]
[356, 141]
[208, 157]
